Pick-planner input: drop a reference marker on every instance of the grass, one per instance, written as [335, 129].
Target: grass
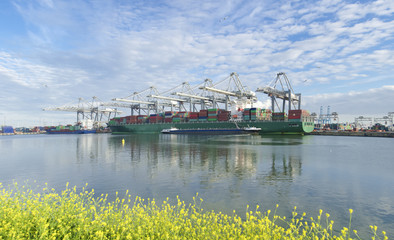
[72, 214]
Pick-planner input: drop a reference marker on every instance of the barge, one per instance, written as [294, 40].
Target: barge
[212, 131]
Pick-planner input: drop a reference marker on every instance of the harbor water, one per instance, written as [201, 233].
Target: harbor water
[332, 173]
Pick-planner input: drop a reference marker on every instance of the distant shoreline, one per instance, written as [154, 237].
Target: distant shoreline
[320, 133]
[27, 133]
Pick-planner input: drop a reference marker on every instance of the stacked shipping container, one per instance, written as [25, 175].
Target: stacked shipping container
[180, 116]
[224, 115]
[203, 116]
[296, 115]
[141, 118]
[168, 116]
[156, 118]
[265, 114]
[279, 116]
[214, 114]
[254, 114]
[246, 114]
[131, 119]
[193, 116]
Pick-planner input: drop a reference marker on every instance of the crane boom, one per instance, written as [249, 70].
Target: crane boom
[167, 98]
[239, 94]
[190, 95]
[121, 105]
[219, 91]
[132, 101]
[277, 93]
[68, 109]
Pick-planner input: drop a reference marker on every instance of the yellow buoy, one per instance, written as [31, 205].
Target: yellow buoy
[123, 141]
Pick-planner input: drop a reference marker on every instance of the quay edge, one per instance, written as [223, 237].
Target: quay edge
[352, 133]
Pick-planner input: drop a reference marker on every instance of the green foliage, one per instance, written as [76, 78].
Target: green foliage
[25, 214]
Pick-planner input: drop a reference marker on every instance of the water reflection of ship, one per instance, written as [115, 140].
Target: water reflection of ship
[212, 161]
[92, 147]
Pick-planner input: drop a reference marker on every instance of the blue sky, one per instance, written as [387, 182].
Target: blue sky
[53, 52]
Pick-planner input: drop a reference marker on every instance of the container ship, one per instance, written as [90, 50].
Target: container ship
[296, 122]
[233, 107]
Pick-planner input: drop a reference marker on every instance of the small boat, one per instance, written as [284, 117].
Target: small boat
[169, 130]
[212, 131]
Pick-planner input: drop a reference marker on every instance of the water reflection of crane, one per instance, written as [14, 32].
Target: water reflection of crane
[286, 170]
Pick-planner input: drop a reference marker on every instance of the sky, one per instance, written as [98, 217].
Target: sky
[54, 52]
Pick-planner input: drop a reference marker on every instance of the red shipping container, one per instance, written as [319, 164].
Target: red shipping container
[297, 114]
[131, 121]
[203, 113]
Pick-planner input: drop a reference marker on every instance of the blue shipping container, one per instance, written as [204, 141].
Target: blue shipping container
[7, 129]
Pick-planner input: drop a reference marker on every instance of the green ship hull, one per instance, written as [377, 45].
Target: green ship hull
[267, 127]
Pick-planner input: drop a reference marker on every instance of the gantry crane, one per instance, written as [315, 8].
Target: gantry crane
[386, 120]
[140, 102]
[170, 101]
[148, 100]
[233, 88]
[87, 111]
[327, 118]
[361, 119]
[209, 95]
[282, 89]
[188, 93]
